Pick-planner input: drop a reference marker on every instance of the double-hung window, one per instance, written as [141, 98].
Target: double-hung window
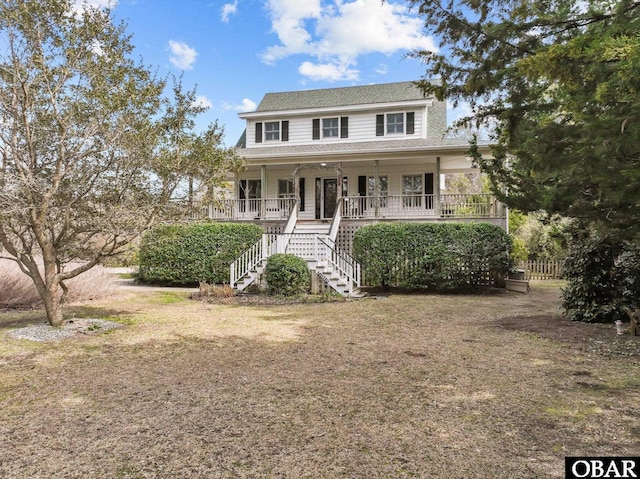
[412, 190]
[383, 190]
[272, 131]
[330, 127]
[395, 123]
[285, 188]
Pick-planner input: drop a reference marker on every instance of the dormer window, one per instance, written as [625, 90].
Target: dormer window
[395, 123]
[330, 127]
[272, 131]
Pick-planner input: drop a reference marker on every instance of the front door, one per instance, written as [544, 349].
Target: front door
[329, 197]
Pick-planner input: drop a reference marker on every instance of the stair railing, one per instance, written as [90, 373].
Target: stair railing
[335, 221]
[293, 219]
[340, 261]
[250, 259]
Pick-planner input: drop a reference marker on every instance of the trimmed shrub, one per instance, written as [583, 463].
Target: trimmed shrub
[603, 278]
[437, 256]
[187, 254]
[287, 275]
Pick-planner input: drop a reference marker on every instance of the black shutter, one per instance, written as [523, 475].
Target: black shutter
[318, 197]
[285, 130]
[362, 190]
[362, 185]
[411, 122]
[258, 132]
[301, 183]
[316, 128]
[344, 127]
[379, 125]
[428, 190]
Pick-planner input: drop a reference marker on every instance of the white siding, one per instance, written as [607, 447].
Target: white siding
[362, 127]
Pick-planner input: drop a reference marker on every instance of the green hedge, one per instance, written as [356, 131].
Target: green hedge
[185, 254]
[603, 279]
[287, 275]
[437, 256]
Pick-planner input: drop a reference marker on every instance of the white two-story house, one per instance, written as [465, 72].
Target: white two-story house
[326, 162]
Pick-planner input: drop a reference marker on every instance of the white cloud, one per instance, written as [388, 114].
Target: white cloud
[382, 69]
[246, 105]
[336, 34]
[328, 71]
[229, 9]
[182, 55]
[78, 6]
[202, 101]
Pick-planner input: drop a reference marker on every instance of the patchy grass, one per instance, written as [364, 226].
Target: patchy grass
[401, 386]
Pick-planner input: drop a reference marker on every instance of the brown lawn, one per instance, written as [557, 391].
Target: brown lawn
[427, 386]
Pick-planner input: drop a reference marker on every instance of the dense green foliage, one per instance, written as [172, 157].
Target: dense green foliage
[558, 83]
[541, 238]
[186, 254]
[604, 279]
[287, 275]
[437, 256]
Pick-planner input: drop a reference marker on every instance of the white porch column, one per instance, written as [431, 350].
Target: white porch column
[263, 191]
[296, 185]
[437, 187]
[376, 186]
[338, 168]
[236, 195]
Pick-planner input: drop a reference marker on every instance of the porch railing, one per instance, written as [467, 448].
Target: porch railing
[355, 207]
[410, 206]
[251, 209]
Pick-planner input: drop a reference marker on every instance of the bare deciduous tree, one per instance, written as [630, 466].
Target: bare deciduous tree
[92, 152]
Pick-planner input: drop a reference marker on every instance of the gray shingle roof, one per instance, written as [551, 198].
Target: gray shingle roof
[330, 97]
[355, 147]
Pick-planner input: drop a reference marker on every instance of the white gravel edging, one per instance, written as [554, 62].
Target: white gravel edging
[71, 327]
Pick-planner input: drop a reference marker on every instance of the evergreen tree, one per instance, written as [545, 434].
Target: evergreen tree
[559, 81]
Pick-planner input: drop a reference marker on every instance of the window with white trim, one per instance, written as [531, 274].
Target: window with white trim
[272, 131]
[330, 127]
[383, 190]
[412, 190]
[395, 123]
[285, 188]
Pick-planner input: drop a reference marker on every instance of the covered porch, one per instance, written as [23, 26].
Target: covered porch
[392, 207]
[407, 187]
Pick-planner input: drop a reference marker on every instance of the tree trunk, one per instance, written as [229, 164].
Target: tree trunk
[53, 307]
[52, 298]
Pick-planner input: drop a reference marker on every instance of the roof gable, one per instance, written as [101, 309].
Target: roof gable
[337, 97]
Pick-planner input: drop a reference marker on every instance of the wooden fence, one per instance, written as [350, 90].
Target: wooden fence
[541, 269]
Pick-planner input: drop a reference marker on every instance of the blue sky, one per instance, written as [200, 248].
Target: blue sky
[235, 51]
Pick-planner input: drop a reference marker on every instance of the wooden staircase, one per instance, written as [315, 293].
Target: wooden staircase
[312, 241]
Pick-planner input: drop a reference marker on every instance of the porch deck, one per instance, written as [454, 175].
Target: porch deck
[393, 207]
